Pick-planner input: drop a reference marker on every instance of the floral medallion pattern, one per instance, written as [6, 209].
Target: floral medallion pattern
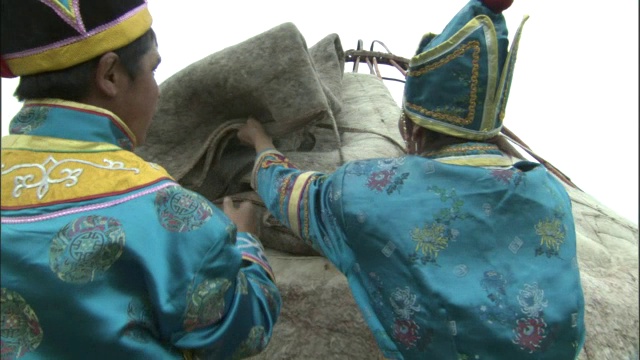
[181, 210]
[86, 248]
[21, 331]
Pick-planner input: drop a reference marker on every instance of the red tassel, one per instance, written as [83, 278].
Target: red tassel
[497, 6]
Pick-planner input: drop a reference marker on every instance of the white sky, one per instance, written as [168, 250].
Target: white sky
[574, 97]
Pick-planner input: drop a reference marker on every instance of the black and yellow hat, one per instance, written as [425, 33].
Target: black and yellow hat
[47, 35]
[458, 82]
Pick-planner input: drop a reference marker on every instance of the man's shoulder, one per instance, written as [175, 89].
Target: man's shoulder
[55, 171]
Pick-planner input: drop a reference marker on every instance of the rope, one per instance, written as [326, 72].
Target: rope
[516, 140]
[334, 126]
[364, 131]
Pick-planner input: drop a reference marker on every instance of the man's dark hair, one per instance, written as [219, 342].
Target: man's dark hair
[73, 83]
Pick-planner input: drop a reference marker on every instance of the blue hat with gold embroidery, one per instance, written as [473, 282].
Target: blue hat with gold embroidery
[458, 81]
[47, 35]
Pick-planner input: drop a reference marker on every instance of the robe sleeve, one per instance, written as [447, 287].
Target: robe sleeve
[217, 297]
[307, 202]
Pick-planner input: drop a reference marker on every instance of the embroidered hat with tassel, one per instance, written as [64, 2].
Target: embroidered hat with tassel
[458, 81]
[47, 35]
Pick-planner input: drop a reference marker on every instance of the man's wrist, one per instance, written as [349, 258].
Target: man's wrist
[263, 144]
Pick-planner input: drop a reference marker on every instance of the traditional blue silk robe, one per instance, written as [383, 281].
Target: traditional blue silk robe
[459, 254]
[105, 256]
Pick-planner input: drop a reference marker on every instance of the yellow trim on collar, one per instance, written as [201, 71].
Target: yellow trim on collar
[82, 50]
[481, 161]
[50, 144]
[39, 178]
[44, 143]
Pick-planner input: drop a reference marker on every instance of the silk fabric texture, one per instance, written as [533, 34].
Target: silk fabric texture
[458, 254]
[105, 256]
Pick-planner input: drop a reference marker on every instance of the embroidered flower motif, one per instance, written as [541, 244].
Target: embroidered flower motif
[404, 303]
[391, 163]
[502, 175]
[436, 236]
[379, 180]
[397, 183]
[206, 305]
[430, 240]
[551, 236]
[28, 119]
[386, 179]
[500, 311]
[359, 168]
[454, 211]
[86, 247]
[406, 332]
[531, 300]
[529, 333]
[20, 328]
[180, 210]
[507, 176]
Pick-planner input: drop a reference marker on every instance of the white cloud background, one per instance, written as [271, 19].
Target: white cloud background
[574, 97]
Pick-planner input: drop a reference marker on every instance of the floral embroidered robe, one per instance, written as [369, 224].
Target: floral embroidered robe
[104, 256]
[460, 254]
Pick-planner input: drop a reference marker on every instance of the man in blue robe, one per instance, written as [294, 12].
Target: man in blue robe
[457, 250]
[104, 255]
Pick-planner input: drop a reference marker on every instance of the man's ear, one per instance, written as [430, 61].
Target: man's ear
[108, 74]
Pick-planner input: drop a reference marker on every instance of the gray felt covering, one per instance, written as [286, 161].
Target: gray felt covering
[272, 76]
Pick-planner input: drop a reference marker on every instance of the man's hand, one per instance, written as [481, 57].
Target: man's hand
[243, 216]
[252, 133]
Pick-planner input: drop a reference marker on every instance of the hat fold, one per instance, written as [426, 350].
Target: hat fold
[458, 81]
[507, 73]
